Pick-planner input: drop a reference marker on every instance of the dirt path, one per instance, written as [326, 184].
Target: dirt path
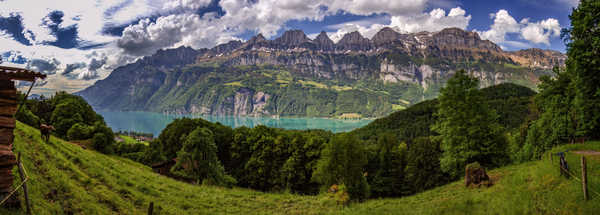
[587, 152]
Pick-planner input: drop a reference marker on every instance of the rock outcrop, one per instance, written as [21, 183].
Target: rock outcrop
[538, 58]
[324, 43]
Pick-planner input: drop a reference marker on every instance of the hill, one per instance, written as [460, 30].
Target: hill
[297, 76]
[510, 101]
[66, 179]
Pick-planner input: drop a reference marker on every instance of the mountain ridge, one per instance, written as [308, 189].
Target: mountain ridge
[293, 75]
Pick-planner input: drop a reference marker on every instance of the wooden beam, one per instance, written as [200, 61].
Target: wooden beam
[7, 122]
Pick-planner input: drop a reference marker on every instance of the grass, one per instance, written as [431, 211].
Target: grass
[530, 188]
[66, 179]
[130, 140]
[312, 83]
[350, 116]
[396, 107]
[234, 84]
[341, 88]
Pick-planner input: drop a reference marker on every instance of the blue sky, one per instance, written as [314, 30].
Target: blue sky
[79, 42]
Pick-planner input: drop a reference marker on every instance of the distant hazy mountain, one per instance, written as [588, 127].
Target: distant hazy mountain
[294, 75]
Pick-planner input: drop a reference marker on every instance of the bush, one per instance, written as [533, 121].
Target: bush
[79, 131]
[26, 116]
[102, 143]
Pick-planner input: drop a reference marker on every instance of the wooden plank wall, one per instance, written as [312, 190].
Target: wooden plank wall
[8, 107]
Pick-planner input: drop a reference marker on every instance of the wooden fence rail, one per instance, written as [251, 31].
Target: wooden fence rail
[583, 179]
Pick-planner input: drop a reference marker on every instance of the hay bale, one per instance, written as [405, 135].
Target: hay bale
[475, 174]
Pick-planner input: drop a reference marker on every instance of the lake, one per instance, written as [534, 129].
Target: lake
[150, 122]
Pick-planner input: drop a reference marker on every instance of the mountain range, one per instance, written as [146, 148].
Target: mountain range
[294, 75]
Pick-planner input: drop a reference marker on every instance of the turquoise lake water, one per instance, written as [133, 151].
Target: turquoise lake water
[150, 122]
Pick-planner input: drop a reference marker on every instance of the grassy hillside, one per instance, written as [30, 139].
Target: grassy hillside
[66, 179]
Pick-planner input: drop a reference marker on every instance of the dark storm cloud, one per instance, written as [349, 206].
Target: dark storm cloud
[13, 25]
[44, 66]
[68, 72]
[96, 64]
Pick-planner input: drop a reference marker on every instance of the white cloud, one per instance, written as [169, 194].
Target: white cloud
[534, 32]
[503, 23]
[367, 7]
[540, 32]
[435, 20]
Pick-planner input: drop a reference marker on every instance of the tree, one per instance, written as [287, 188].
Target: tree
[469, 130]
[268, 151]
[556, 123]
[198, 159]
[423, 169]
[342, 161]
[583, 49]
[64, 116]
[297, 170]
[387, 177]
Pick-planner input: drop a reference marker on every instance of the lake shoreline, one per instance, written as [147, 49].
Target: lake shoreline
[154, 122]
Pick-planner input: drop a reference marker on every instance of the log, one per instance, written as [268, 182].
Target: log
[8, 101]
[6, 181]
[6, 136]
[8, 93]
[7, 122]
[6, 84]
[8, 110]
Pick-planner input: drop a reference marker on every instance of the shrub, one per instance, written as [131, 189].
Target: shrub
[79, 131]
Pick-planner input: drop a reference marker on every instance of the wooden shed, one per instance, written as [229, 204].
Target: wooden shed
[8, 108]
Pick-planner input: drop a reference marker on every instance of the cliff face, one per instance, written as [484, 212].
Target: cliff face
[538, 58]
[296, 75]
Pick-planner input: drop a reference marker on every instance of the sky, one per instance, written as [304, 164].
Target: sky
[79, 42]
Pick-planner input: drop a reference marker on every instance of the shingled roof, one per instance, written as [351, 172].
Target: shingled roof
[13, 73]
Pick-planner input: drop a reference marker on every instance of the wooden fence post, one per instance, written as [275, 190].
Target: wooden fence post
[150, 208]
[584, 178]
[22, 174]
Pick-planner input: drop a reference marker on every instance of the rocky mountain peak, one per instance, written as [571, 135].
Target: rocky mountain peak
[292, 38]
[385, 35]
[257, 39]
[459, 38]
[323, 42]
[227, 47]
[353, 41]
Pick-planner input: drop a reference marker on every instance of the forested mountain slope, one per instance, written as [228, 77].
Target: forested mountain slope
[294, 75]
